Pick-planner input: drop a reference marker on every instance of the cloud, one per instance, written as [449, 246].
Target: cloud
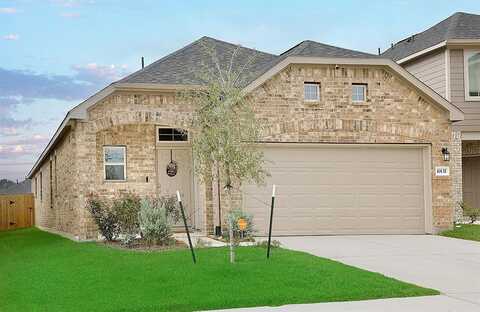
[13, 127]
[12, 37]
[70, 14]
[96, 73]
[7, 104]
[85, 81]
[8, 11]
[72, 3]
[21, 87]
[24, 146]
[27, 84]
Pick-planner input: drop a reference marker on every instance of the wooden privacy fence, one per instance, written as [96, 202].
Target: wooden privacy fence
[16, 211]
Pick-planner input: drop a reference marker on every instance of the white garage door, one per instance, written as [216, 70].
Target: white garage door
[341, 189]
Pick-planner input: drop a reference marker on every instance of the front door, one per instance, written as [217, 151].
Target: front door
[180, 179]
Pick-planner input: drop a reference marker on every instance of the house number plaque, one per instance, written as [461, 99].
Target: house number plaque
[442, 171]
[172, 166]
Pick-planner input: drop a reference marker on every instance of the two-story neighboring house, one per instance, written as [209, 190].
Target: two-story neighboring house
[446, 57]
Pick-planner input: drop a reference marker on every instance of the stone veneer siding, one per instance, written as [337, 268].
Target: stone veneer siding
[456, 173]
[393, 113]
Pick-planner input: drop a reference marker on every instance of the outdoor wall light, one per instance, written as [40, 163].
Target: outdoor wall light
[446, 154]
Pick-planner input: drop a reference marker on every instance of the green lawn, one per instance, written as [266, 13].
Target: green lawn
[45, 272]
[465, 231]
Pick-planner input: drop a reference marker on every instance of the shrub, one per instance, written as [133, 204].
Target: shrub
[172, 210]
[153, 222]
[233, 217]
[127, 215]
[472, 213]
[264, 244]
[104, 217]
[126, 209]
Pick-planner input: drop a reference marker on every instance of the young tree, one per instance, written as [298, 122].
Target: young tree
[225, 128]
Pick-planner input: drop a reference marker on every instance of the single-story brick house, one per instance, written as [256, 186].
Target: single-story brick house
[355, 143]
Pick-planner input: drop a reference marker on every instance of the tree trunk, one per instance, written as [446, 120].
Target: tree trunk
[230, 227]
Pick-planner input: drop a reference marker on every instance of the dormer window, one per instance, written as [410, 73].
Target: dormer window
[472, 75]
[311, 91]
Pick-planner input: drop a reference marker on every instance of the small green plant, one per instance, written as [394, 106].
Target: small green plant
[264, 244]
[104, 217]
[153, 221]
[472, 213]
[232, 218]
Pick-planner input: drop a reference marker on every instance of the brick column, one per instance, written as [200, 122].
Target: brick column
[456, 172]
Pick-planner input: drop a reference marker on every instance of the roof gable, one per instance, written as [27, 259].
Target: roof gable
[187, 65]
[458, 26]
[184, 68]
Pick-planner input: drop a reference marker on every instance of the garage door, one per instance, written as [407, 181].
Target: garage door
[341, 189]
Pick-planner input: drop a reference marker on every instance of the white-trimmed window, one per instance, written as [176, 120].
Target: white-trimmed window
[114, 163]
[472, 75]
[359, 92]
[166, 135]
[311, 91]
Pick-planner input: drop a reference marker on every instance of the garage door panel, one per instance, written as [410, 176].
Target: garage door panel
[341, 190]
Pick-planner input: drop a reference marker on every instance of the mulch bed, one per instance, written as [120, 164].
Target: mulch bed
[226, 240]
[141, 245]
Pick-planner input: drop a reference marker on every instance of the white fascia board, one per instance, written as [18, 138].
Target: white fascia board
[52, 142]
[422, 52]
[449, 43]
[471, 136]
[462, 42]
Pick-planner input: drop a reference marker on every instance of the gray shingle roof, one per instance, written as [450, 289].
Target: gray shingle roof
[315, 49]
[458, 26]
[186, 65]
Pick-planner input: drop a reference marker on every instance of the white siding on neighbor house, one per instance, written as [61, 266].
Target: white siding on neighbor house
[430, 70]
[457, 94]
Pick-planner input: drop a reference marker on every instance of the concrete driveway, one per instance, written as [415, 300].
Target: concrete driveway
[451, 266]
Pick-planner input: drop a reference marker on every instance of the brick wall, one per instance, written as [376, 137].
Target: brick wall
[456, 172]
[56, 204]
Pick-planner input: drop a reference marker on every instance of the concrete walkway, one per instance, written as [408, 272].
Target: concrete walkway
[451, 266]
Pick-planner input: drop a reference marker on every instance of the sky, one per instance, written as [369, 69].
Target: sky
[56, 53]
